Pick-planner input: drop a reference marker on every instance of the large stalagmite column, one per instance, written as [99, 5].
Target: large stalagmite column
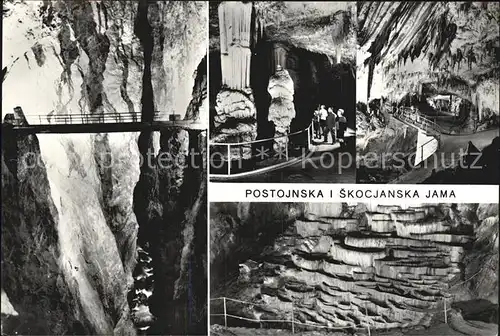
[235, 101]
[281, 110]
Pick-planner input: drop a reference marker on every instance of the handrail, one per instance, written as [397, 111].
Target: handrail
[69, 118]
[421, 121]
[453, 131]
[257, 141]
[446, 309]
[292, 321]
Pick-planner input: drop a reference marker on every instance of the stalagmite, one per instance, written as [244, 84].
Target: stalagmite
[282, 109]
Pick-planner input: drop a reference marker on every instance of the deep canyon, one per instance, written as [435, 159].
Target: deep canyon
[94, 240]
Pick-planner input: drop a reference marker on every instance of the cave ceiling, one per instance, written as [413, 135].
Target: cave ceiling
[419, 42]
[314, 26]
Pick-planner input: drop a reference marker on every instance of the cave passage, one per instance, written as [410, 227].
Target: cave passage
[316, 81]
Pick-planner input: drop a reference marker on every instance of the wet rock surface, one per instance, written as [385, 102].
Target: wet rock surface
[170, 202]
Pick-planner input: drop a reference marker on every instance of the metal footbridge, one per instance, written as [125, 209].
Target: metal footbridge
[93, 123]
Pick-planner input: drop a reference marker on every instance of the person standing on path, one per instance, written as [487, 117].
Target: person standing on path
[317, 124]
[330, 125]
[323, 114]
[342, 121]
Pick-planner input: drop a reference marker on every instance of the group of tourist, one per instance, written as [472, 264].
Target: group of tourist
[328, 122]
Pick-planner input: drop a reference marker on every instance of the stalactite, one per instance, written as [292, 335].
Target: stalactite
[235, 21]
[279, 56]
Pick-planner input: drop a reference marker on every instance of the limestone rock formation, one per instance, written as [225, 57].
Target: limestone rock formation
[450, 45]
[235, 119]
[282, 109]
[74, 219]
[386, 266]
[249, 40]
[66, 260]
[235, 122]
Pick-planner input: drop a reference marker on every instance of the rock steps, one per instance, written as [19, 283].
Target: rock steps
[337, 269]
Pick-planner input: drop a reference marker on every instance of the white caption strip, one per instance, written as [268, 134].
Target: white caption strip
[382, 193]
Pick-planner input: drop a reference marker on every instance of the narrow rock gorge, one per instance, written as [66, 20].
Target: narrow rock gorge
[353, 265]
[104, 233]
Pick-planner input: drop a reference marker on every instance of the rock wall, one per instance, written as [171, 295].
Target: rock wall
[75, 218]
[482, 262]
[384, 137]
[170, 205]
[235, 122]
[66, 256]
[353, 265]
[241, 230]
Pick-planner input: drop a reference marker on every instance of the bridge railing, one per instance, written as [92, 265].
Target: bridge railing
[67, 119]
[229, 158]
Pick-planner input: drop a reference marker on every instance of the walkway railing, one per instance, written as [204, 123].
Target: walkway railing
[66, 119]
[248, 154]
[79, 119]
[426, 124]
[443, 305]
[419, 121]
[292, 321]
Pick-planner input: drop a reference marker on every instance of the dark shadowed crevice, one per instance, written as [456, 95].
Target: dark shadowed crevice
[144, 32]
[29, 241]
[199, 91]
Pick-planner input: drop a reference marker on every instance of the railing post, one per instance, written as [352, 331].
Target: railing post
[225, 312]
[367, 324]
[422, 152]
[228, 162]
[293, 323]
[445, 313]
[309, 137]
[40, 119]
[286, 148]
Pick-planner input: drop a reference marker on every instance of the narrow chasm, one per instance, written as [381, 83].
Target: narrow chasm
[103, 232]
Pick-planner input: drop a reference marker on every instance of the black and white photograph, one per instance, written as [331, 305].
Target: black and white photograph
[353, 269]
[282, 89]
[428, 92]
[104, 173]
